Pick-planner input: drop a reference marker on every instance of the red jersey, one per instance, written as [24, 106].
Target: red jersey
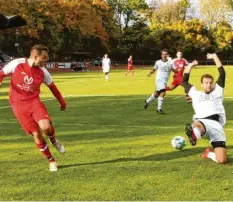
[25, 80]
[179, 64]
[130, 62]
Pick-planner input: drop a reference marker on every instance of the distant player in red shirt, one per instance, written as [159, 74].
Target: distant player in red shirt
[180, 64]
[27, 75]
[130, 66]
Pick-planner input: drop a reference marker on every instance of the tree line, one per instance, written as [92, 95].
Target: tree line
[120, 27]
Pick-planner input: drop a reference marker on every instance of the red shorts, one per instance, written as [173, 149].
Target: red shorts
[130, 67]
[176, 82]
[29, 115]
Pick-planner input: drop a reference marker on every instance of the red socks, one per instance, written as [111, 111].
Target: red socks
[51, 135]
[43, 147]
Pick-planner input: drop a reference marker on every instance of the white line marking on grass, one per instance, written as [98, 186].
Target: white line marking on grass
[125, 126]
[8, 122]
[4, 107]
[177, 97]
[101, 95]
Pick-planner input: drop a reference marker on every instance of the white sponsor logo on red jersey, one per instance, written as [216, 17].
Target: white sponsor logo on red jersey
[28, 80]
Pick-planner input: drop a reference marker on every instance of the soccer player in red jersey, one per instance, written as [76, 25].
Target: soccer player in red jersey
[130, 66]
[27, 75]
[180, 64]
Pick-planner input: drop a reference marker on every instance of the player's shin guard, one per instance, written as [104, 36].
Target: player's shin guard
[150, 99]
[51, 135]
[196, 134]
[43, 147]
[212, 156]
[160, 102]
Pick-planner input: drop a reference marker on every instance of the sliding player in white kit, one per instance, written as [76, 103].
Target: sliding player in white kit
[106, 63]
[164, 67]
[210, 116]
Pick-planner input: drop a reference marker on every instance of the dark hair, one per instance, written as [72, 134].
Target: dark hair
[179, 50]
[164, 50]
[39, 48]
[206, 76]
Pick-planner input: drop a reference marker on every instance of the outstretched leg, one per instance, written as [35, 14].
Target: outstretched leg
[151, 99]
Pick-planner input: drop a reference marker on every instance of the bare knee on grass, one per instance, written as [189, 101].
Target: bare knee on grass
[221, 155]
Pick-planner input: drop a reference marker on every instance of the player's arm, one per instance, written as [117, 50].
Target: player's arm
[8, 70]
[174, 69]
[185, 82]
[2, 75]
[53, 88]
[153, 70]
[222, 73]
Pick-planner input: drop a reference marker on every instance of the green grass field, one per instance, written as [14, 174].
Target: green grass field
[116, 150]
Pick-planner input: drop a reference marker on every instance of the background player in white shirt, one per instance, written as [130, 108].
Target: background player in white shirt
[209, 117]
[106, 63]
[164, 67]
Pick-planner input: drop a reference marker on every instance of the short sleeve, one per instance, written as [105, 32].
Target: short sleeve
[193, 92]
[47, 77]
[11, 66]
[156, 65]
[218, 89]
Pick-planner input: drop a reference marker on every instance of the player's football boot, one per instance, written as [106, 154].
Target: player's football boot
[160, 111]
[59, 146]
[145, 104]
[188, 131]
[52, 166]
[204, 155]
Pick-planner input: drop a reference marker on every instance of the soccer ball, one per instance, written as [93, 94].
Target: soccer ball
[178, 142]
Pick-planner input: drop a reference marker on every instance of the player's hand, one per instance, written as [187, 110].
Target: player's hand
[210, 55]
[195, 62]
[63, 107]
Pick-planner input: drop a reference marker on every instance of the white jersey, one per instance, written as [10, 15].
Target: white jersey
[206, 105]
[106, 62]
[163, 70]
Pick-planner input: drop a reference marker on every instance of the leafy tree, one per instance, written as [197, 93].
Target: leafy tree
[168, 11]
[223, 36]
[214, 11]
[63, 25]
[188, 35]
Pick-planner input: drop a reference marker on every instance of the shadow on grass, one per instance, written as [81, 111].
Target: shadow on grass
[155, 157]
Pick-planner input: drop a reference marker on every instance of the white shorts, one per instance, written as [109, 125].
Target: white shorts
[214, 130]
[160, 85]
[106, 69]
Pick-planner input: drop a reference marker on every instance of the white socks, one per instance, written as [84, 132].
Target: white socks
[197, 133]
[150, 99]
[160, 102]
[211, 155]
[106, 77]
